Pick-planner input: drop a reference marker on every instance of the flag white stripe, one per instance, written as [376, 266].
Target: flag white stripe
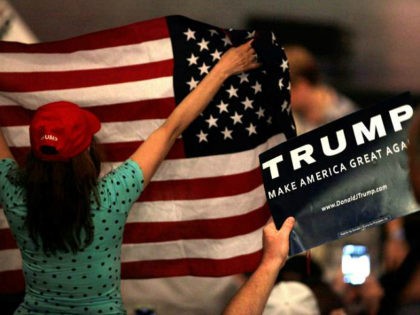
[127, 131]
[3, 221]
[202, 209]
[215, 165]
[145, 52]
[10, 259]
[150, 89]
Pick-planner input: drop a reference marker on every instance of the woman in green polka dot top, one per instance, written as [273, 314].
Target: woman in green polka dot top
[68, 223]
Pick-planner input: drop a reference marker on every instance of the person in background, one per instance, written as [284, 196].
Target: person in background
[68, 223]
[290, 298]
[395, 247]
[299, 269]
[254, 295]
[314, 103]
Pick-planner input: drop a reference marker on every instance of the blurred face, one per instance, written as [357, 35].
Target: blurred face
[299, 95]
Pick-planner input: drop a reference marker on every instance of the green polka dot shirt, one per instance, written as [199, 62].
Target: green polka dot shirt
[87, 282]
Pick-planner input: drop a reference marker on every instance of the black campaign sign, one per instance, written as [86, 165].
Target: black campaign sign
[343, 177]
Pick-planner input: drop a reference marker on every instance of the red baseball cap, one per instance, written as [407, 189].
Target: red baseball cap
[61, 130]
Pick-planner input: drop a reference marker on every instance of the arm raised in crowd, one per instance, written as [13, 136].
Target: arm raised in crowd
[253, 295]
[150, 154]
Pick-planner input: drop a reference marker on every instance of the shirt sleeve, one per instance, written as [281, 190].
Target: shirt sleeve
[6, 165]
[121, 188]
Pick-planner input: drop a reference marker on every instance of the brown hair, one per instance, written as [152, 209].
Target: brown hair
[302, 64]
[59, 200]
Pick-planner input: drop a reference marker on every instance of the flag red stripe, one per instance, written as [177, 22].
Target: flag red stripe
[124, 35]
[56, 80]
[12, 115]
[20, 154]
[12, 282]
[142, 109]
[190, 266]
[7, 240]
[147, 232]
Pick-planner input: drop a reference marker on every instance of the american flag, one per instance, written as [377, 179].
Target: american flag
[203, 211]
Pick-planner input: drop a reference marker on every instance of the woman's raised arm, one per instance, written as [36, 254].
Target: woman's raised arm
[154, 149]
[4, 148]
